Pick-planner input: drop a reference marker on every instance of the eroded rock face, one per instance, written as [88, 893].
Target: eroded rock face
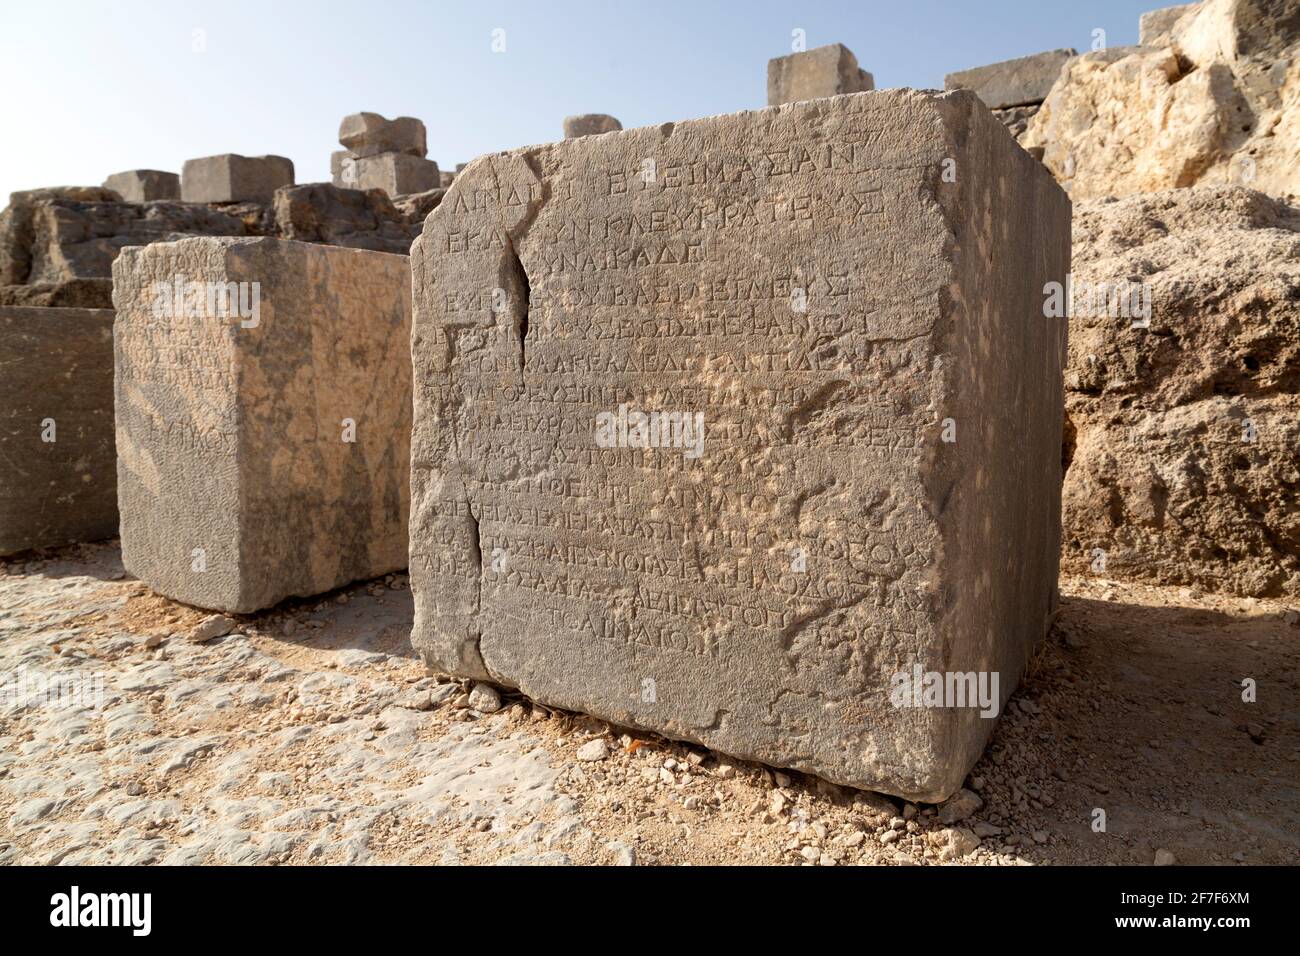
[57, 460]
[321, 212]
[416, 207]
[810, 307]
[1184, 463]
[1217, 102]
[80, 240]
[57, 246]
[262, 439]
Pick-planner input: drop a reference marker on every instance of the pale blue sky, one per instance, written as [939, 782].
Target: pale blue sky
[92, 88]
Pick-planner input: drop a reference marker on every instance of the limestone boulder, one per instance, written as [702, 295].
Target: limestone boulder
[1183, 433]
[415, 207]
[55, 239]
[1218, 103]
[395, 174]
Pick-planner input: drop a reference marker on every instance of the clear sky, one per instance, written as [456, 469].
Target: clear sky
[94, 87]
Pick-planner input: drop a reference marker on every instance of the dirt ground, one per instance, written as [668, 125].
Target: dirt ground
[312, 734]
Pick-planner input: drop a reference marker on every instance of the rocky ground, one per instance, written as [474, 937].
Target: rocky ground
[312, 734]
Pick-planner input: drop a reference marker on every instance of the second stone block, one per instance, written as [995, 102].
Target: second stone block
[263, 403]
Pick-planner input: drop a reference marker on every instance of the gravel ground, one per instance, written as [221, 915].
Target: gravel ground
[137, 730]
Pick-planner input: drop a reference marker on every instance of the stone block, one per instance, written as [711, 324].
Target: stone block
[589, 124]
[320, 212]
[233, 178]
[144, 185]
[337, 160]
[732, 444]
[58, 480]
[1020, 82]
[397, 174]
[369, 134]
[263, 398]
[823, 71]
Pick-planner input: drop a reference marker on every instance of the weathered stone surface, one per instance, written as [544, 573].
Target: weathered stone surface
[58, 482]
[1237, 31]
[144, 185]
[54, 239]
[320, 212]
[1220, 104]
[16, 235]
[1020, 82]
[1183, 434]
[823, 71]
[445, 179]
[590, 124]
[397, 174]
[70, 294]
[369, 134]
[805, 279]
[234, 178]
[416, 207]
[1155, 26]
[75, 193]
[1016, 118]
[232, 432]
[340, 160]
